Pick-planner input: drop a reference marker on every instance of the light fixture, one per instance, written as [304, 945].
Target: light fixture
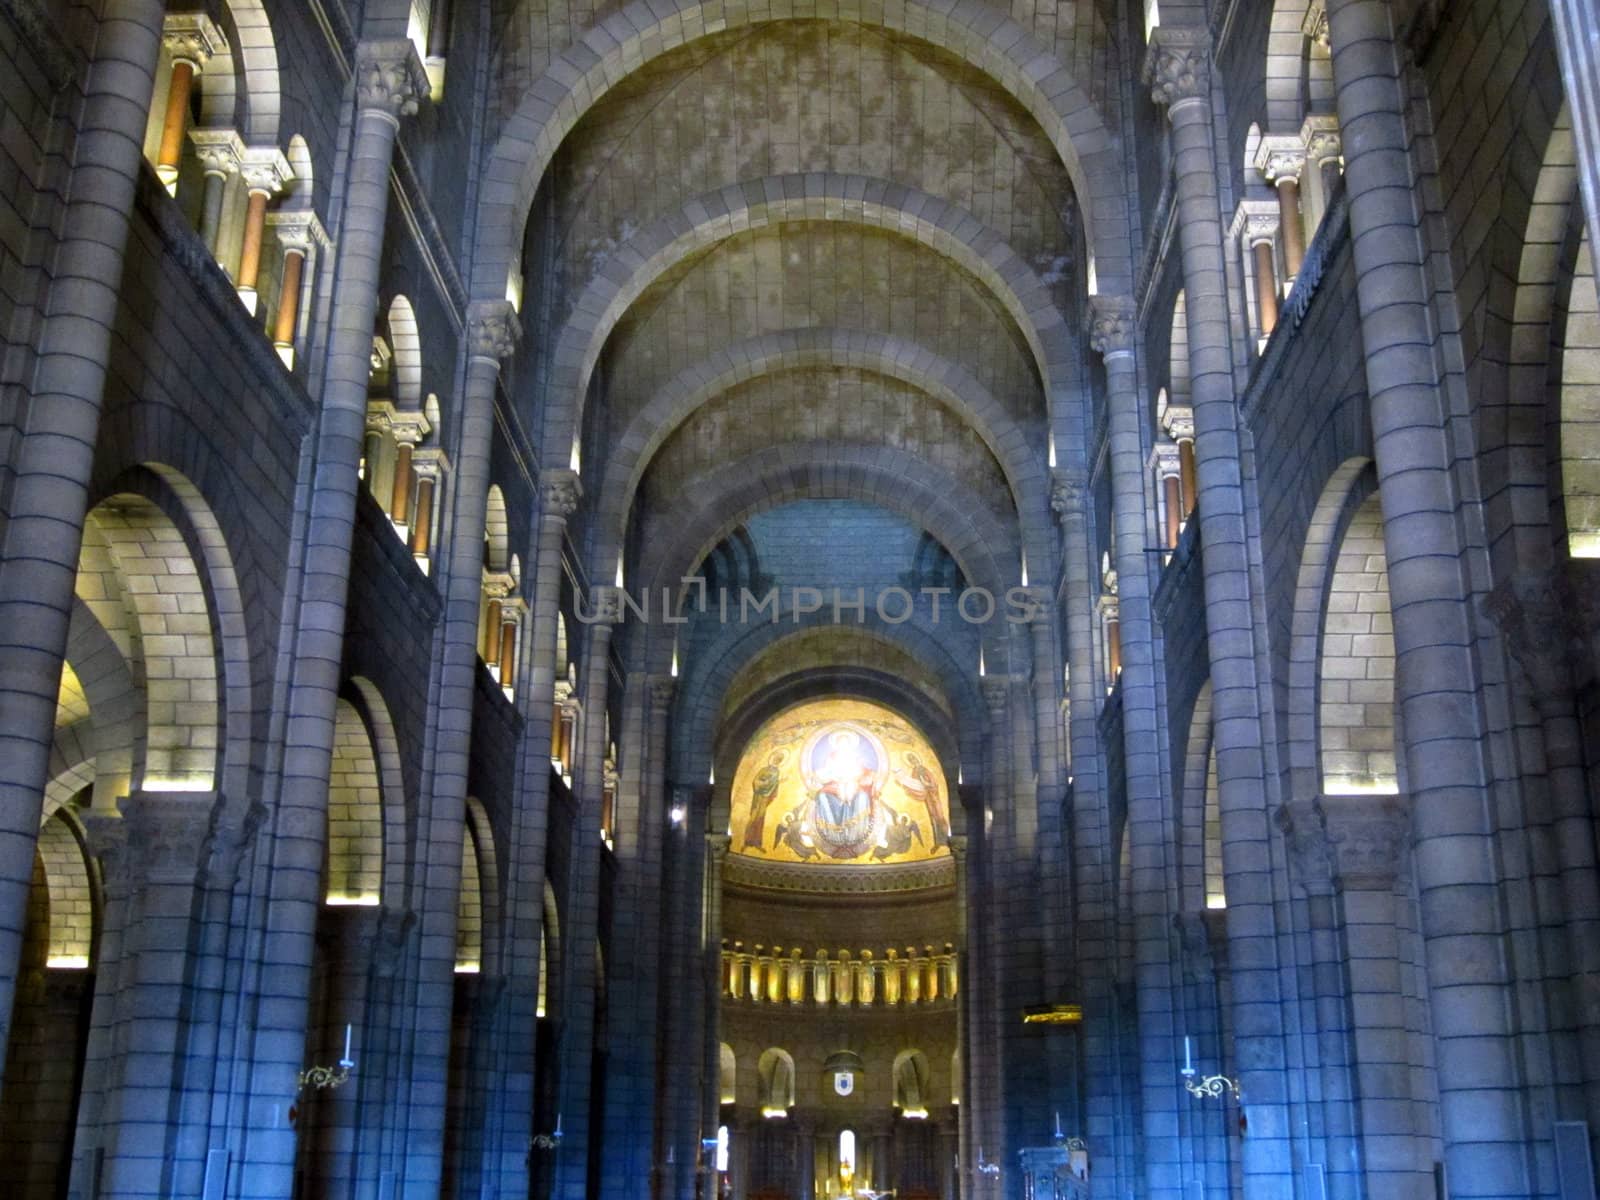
[330, 1077]
[1207, 1085]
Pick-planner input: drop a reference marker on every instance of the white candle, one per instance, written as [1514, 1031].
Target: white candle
[346, 1058]
[1188, 1062]
[1058, 1125]
[558, 1124]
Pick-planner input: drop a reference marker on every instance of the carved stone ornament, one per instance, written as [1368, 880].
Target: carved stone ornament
[387, 941]
[1306, 839]
[265, 169]
[167, 834]
[1111, 325]
[662, 691]
[298, 229]
[192, 38]
[607, 609]
[1537, 614]
[220, 151]
[390, 78]
[559, 492]
[1358, 842]
[996, 691]
[1280, 157]
[1178, 65]
[1068, 490]
[230, 835]
[492, 329]
[1178, 420]
[1320, 136]
[1315, 23]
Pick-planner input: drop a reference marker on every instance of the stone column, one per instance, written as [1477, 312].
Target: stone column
[1323, 150]
[1112, 336]
[710, 1007]
[220, 152]
[388, 82]
[191, 39]
[265, 171]
[581, 912]
[1539, 616]
[986, 900]
[1281, 160]
[1094, 898]
[153, 869]
[1349, 854]
[1178, 69]
[1178, 421]
[52, 459]
[684, 863]
[491, 336]
[1437, 678]
[299, 233]
[509, 1131]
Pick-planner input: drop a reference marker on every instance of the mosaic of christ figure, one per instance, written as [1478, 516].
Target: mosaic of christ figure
[844, 768]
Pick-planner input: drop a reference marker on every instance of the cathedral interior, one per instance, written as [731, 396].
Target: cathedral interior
[799, 599]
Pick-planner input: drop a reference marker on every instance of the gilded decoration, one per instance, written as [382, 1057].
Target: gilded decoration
[840, 782]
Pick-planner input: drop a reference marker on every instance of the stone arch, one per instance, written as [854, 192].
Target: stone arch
[72, 896]
[898, 358]
[496, 532]
[912, 1079]
[727, 1074]
[139, 580]
[481, 832]
[353, 858]
[99, 745]
[1201, 881]
[984, 546]
[1299, 70]
[775, 1081]
[1341, 727]
[469, 907]
[406, 343]
[706, 220]
[631, 37]
[549, 954]
[246, 91]
[1178, 376]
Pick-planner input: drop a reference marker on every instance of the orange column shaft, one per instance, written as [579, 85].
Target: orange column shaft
[176, 120]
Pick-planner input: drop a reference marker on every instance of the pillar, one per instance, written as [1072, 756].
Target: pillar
[581, 912]
[264, 170]
[1577, 29]
[388, 82]
[220, 151]
[1437, 676]
[154, 859]
[1281, 159]
[58, 420]
[190, 39]
[1178, 69]
[1154, 881]
[1266, 284]
[510, 1090]
[1094, 894]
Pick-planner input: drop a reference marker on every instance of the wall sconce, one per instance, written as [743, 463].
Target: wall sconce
[1208, 1085]
[549, 1141]
[330, 1077]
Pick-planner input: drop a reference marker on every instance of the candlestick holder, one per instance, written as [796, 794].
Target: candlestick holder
[320, 1077]
[1214, 1086]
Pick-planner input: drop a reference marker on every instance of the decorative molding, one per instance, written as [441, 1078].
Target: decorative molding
[1178, 421]
[996, 691]
[1177, 66]
[298, 229]
[559, 493]
[1314, 25]
[492, 330]
[1194, 941]
[1280, 156]
[1111, 325]
[265, 169]
[220, 151]
[1069, 490]
[192, 37]
[386, 942]
[168, 835]
[1349, 842]
[763, 875]
[1320, 137]
[1254, 221]
[229, 837]
[390, 78]
[1538, 614]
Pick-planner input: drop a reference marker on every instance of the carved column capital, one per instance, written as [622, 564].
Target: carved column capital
[220, 151]
[492, 329]
[1069, 490]
[264, 169]
[607, 606]
[1354, 842]
[996, 691]
[1320, 136]
[1177, 66]
[192, 37]
[1538, 614]
[386, 942]
[298, 229]
[662, 689]
[1280, 156]
[168, 834]
[1112, 325]
[1315, 23]
[1178, 420]
[1164, 459]
[559, 492]
[390, 78]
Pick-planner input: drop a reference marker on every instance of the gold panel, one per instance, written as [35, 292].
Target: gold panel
[840, 781]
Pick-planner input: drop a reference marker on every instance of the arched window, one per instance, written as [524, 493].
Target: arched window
[847, 1155]
[911, 1084]
[727, 1075]
[775, 1072]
